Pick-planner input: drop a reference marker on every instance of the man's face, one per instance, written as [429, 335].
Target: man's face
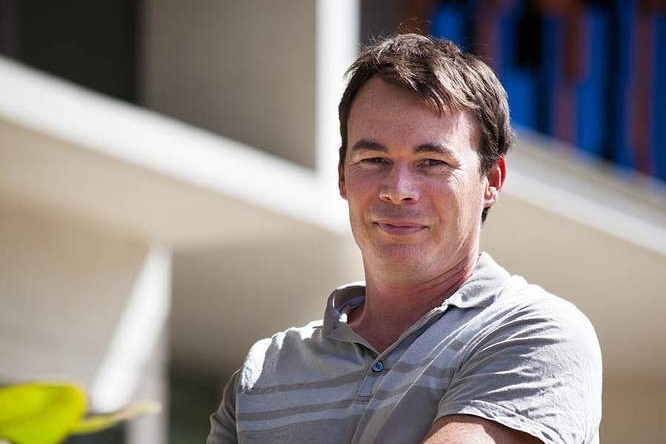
[412, 181]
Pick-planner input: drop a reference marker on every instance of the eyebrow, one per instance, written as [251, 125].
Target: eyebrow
[434, 148]
[368, 144]
[373, 145]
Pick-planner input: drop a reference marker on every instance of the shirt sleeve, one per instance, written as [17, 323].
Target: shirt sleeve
[535, 369]
[223, 421]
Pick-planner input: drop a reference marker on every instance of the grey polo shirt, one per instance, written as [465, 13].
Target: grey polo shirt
[498, 348]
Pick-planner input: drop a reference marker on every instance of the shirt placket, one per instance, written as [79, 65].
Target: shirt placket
[379, 367]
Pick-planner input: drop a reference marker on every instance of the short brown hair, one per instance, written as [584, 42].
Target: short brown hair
[444, 78]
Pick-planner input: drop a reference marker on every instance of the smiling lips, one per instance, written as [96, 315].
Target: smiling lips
[397, 228]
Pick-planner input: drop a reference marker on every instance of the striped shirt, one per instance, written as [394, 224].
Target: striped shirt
[498, 348]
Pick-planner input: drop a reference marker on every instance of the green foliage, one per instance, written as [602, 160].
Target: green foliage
[39, 413]
[46, 413]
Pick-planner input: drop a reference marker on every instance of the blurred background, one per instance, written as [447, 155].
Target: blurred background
[168, 185]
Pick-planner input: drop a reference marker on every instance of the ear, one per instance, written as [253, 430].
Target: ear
[494, 181]
[342, 186]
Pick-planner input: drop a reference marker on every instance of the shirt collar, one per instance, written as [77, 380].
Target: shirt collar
[482, 287]
[480, 290]
[339, 303]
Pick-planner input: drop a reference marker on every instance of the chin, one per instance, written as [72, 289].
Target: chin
[402, 254]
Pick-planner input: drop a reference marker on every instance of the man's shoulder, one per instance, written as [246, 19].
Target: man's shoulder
[520, 296]
[529, 360]
[507, 304]
[494, 288]
[289, 338]
[280, 352]
[310, 340]
[528, 310]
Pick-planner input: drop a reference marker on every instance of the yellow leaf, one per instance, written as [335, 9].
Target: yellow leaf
[39, 413]
[101, 422]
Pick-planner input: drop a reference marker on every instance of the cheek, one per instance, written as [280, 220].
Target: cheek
[359, 186]
[459, 198]
[357, 194]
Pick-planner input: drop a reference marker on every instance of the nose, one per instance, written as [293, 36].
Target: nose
[400, 186]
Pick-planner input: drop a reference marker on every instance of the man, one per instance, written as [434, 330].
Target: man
[440, 344]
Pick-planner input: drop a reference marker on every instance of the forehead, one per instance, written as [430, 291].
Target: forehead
[384, 111]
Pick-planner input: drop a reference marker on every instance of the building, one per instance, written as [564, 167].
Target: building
[175, 199]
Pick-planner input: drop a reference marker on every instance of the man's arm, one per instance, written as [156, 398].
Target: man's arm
[468, 429]
[223, 421]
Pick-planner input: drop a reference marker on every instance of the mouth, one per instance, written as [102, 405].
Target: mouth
[399, 228]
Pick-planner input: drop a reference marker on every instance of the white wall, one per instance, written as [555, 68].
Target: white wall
[244, 69]
[634, 411]
[62, 285]
[69, 290]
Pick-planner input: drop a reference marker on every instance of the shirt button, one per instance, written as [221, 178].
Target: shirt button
[378, 366]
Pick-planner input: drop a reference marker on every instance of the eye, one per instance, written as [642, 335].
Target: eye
[431, 163]
[374, 161]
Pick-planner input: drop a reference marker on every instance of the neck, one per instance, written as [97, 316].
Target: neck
[390, 308]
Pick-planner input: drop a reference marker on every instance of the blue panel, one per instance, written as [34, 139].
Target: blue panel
[507, 43]
[503, 46]
[592, 103]
[520, 84]
[620, 121]
[550, 73]
[521, 87]
[658, 139]
[449, 22]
